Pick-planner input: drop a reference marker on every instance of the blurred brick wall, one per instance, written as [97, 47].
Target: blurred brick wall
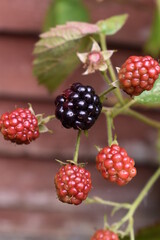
[28, 205]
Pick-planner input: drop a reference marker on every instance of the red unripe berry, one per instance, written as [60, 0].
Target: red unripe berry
[73, 184]
[19, 126]
[138, 74]
[102, 234]
[115, 164]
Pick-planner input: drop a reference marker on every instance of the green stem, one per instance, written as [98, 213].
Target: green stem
[106, 226]
[110, 68]
[132, 233]
[75, 159]
[102, 95]
[158, 146]
[142, 118]
[106, 77]
[108, 203]
[126, 111]
[139, 199]
[116, 111]
[109, 127]
[145, 190]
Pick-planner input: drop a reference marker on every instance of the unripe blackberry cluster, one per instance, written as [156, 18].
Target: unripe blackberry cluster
[78, 107]
[72, 184]
[102, 234]
[115, 165]
[19, 126]
[138, 74]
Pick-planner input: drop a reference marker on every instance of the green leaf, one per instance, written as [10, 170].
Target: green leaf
[112, 25]
[62, 11]
[149, 233]
[55, 52]
[153, 44]
[152, 96]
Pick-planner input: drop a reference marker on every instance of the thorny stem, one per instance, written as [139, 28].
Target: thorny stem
[138, 200]
[110, 68]
[75, 159]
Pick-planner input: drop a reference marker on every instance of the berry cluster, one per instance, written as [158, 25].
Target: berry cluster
[72, 184]
[19, 126]
[115, 164]
[78, 107]
[102, 234]
[138, 74]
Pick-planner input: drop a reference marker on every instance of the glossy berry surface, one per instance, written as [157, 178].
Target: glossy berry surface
[78, 107]
[72, 184]
[138, 74]
[102, 234]
[115, 165]
[19, 126]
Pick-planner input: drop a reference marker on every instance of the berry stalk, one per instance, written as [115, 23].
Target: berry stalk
[109, 127]
[75, 158]
[106, 78]
[108, 203]
[103, 94]
[110, 68]
[116, 111]
[132, 234]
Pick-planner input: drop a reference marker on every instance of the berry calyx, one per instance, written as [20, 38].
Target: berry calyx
[102, 234]
[138, 74]
[19, 126]
[115, 165]
[78, 107]
[72, 183]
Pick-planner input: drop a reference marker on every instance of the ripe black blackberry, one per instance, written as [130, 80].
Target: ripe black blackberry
[78, 107]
